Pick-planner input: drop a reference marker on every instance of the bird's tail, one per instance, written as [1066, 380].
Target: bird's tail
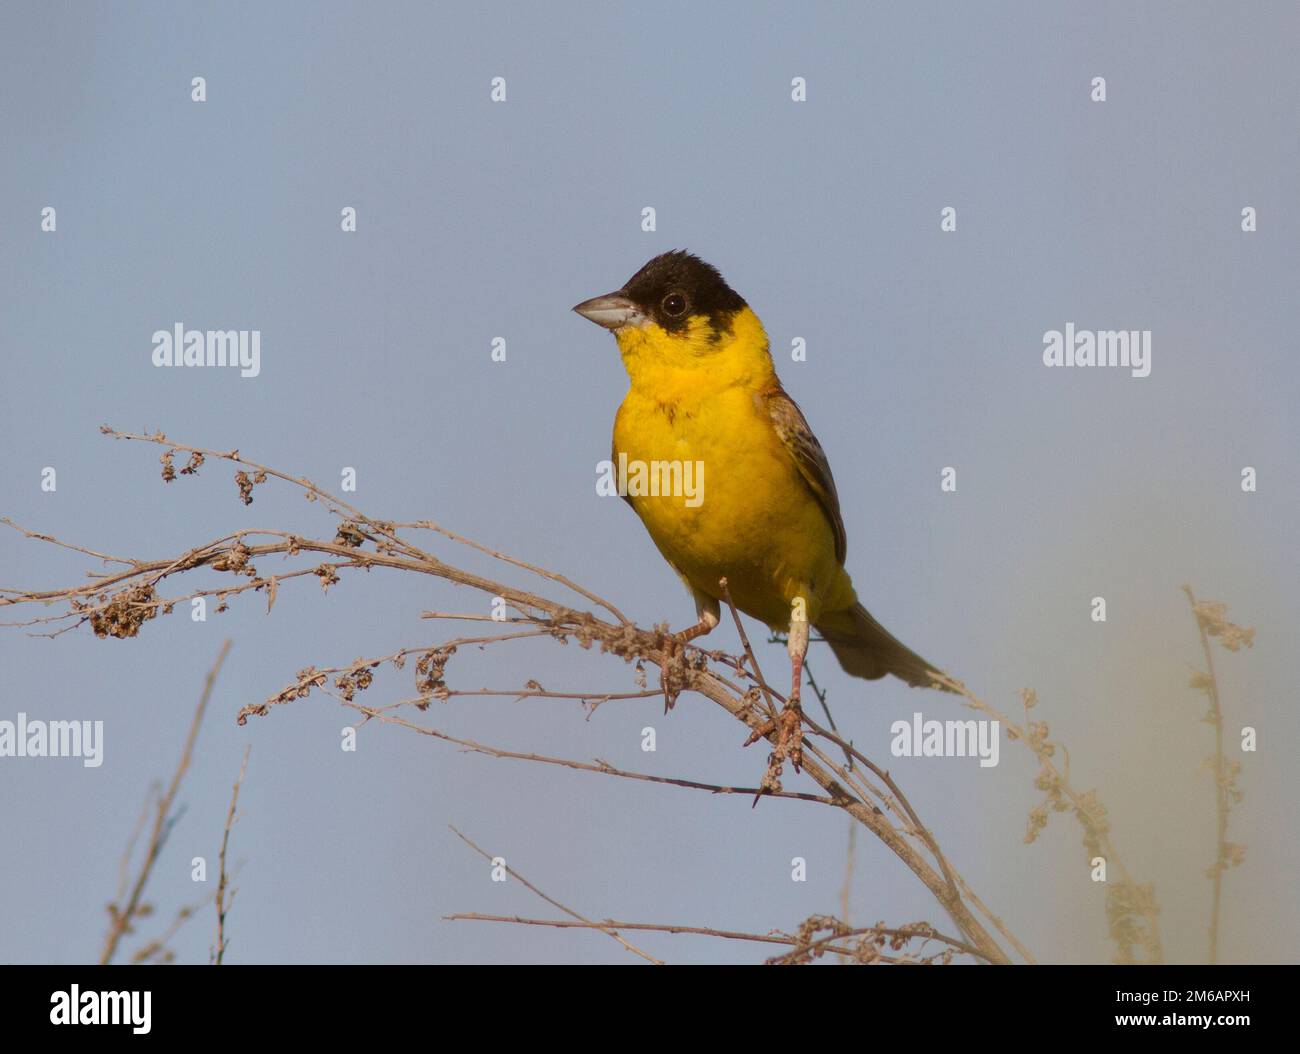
[866, 649]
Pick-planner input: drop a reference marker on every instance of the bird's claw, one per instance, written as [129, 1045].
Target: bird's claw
[788, 726]
[789, 739]
[670, 644]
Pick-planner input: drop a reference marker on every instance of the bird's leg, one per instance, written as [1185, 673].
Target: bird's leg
[672, 672]
[789, 741]
[707, 613]
[788, 724]
[704, 626]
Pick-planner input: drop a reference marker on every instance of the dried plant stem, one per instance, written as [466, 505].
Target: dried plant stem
[874, 820]
[902, 933]
[1055, 780]
[1222, 806]
[123, 915]
[581, 920]
[604, 768]
[224, 901]
[749, 651]
[119, 602]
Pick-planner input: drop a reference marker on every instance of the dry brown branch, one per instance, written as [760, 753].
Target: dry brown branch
[1131, 910]
[224, 902]
[581, 920]
[121, 601]
[822, 700]
[805, 945]
[754, 671]
[604, 768]
[122, 916]
[1212, 621]
[159, 949]
[428, 525]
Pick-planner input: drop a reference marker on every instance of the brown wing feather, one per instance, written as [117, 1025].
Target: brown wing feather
[613, 457]
[792, 427]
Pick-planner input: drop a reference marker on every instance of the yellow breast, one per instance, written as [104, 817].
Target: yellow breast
[744, 511]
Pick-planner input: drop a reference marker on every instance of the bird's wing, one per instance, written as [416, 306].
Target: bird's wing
[613, 459]
[789, 422]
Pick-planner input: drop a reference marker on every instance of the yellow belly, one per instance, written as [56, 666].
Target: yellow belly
[756, 522]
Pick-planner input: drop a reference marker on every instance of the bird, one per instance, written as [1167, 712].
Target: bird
[704, 399]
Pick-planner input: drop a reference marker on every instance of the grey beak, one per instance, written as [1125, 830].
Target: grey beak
[613, 311]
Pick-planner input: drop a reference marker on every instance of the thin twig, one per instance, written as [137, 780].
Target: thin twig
[604, 768]
[731, 935]
[123, 916]
[224, 902]
[582, 920]
[749, 651]
[688, 669]
[1210, 684]
[1085, 807]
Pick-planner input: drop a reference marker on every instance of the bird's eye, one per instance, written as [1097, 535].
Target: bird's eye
[674, 305]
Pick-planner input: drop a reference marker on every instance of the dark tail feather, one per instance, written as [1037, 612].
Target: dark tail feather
[866, 649]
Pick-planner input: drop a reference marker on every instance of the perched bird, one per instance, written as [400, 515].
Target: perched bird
[704, 395]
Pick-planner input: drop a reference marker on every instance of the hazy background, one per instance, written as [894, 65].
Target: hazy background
[479, 220]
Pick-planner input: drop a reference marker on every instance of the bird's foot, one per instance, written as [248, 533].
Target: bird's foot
[789, 739]
[669, 644]
[672, 646]
[675, 662]
[788, 726]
